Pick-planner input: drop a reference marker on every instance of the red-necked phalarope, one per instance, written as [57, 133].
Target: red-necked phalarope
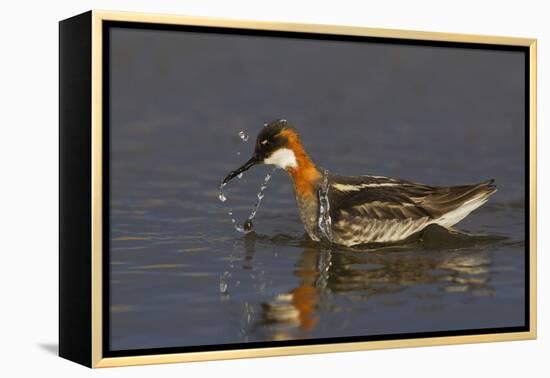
[351, 210]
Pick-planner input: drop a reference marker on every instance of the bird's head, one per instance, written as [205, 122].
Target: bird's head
[276, 144]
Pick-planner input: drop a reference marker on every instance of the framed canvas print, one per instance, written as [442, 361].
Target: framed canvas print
[235, 189]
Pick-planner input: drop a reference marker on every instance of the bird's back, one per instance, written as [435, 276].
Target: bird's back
[376, 209]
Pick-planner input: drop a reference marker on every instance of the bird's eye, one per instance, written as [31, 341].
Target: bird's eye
[264, 142]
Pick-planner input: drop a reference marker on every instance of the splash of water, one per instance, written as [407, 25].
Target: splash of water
[224, 286]
[222, 196]
[244, 138]
[247, 226]
[323, 267]
[247, 319]
[261, 194]
[243, 135]
[324, 221]
[239, 227]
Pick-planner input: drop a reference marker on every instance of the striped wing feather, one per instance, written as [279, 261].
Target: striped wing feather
[381, 209]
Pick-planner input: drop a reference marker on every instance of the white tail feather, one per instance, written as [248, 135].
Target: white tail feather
[453, 217]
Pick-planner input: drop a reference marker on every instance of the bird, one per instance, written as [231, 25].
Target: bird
[356, 210]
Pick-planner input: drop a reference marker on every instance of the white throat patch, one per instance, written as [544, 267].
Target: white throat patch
[283, 158]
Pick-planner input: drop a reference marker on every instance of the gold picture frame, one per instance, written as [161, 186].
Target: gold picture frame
[81, 337]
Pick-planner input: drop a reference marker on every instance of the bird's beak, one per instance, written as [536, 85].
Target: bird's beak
[253, 161]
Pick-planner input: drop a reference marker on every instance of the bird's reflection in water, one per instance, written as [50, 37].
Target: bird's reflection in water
[453, 262]
[299, 306]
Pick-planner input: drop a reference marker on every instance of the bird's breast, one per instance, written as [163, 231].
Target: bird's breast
[308, 207]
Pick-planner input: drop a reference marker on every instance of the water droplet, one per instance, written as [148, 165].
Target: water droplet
[221, 196]
[247, 317]
[244, 136]
[223, 285]
[324, 222]
[261, 287]
[248, 225]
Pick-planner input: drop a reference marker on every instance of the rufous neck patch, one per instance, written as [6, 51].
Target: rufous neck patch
[305, 175]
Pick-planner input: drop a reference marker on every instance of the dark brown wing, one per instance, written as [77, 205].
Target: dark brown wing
[444, 200]
[379, 197]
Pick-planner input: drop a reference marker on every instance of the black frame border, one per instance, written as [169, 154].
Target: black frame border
[75, 194]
